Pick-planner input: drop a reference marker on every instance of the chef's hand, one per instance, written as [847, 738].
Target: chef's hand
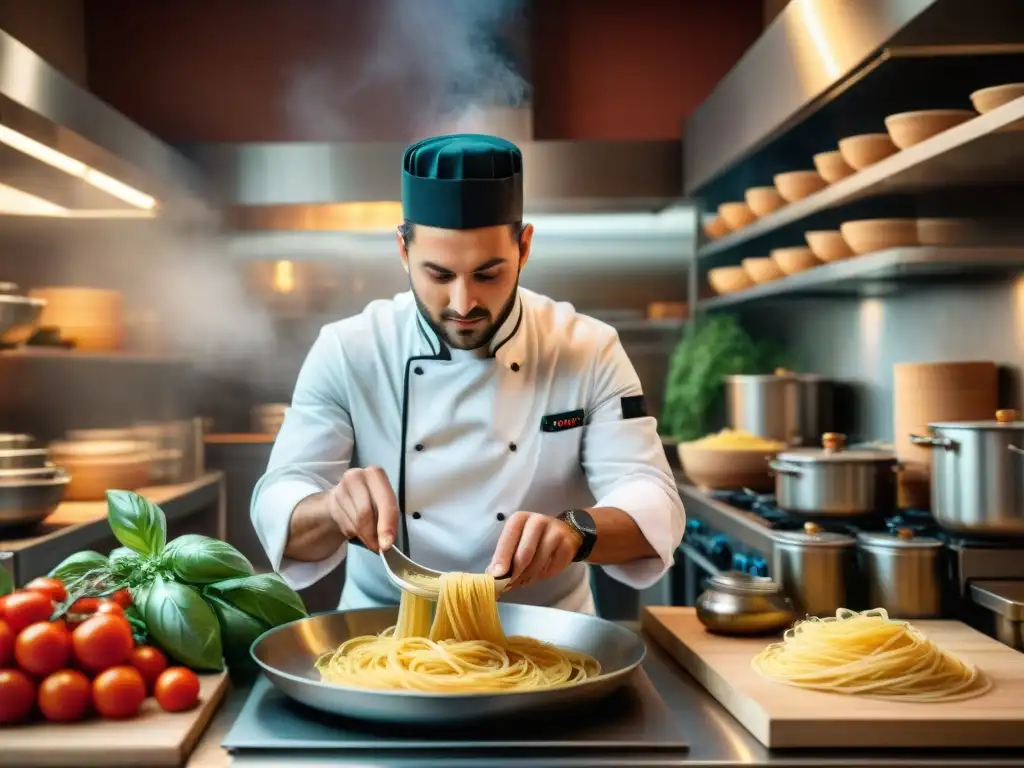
[365, 508]
[535, 546]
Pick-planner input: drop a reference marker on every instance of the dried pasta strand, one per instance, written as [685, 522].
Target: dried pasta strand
[462, 650]
[867, 653]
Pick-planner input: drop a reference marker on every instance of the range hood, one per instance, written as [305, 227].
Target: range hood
[66, 154]
[354, 186]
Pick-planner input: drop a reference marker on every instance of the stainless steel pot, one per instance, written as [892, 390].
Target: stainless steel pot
[794, 408]
[978, 475]
[835, 481]
[816, 569]
[736, 603]
[903, 573]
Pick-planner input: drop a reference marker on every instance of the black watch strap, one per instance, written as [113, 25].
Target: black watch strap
[581, 521]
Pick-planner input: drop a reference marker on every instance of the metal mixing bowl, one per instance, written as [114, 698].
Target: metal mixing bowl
[24, 458]
[287, 655]
[23, 502]
[19, 318]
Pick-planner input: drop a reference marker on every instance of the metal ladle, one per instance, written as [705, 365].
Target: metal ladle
[407, 574]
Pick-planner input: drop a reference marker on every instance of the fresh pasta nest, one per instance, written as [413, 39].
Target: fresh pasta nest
[866, 653]
[463, 649]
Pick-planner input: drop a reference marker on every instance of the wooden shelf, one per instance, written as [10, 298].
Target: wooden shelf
[58, 353]
[78, 525]
[881, 272]
[978, 151]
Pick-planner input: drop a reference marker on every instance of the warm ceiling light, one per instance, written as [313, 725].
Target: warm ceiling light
[72, 167]
[284, 276]
[15, 202]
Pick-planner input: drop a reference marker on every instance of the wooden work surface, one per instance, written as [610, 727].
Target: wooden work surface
[153, 738]
[782, 716]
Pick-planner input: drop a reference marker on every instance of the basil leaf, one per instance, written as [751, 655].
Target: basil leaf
[75, 566]
[138, 624]
[202, 560]
[264, 596]
[183, 624]
[124, 560]
[137, 522]
[238, 630]
[6, 581]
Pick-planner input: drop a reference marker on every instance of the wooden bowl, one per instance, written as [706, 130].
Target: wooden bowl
[727, 468]
[736, 215]
[729, 279]
[909, 128]
[763, 270]
[794, 259]
[865, 150]
[764, 200]
[870, 235]
[948, 232]
[987, 99]
[715, 228]
[832, 167]
[796, 185]
[828, 245]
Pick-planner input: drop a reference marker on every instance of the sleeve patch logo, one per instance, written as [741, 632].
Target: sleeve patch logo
[634, 407]
[559, 422]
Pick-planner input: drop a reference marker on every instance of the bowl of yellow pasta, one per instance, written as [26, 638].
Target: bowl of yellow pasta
[731, 458]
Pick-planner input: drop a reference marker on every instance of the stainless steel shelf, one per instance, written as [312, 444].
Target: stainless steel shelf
[877, 273]
[978, 151]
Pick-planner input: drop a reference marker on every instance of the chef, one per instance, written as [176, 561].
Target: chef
[475, 424]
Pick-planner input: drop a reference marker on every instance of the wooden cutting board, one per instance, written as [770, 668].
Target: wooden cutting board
[154, 738]
[781, 716]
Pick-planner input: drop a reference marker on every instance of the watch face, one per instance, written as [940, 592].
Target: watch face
[583, 521]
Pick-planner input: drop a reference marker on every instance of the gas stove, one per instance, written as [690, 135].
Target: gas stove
[740, 530]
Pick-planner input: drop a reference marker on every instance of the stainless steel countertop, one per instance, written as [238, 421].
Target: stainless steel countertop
[715, 738]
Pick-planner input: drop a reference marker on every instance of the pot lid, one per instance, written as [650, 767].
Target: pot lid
[737, 581]
[812, 535]
[777, 375]
[1005, 419]
[834, 449]
[903, 538]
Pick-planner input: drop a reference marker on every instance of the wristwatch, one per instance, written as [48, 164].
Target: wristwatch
[582, 523]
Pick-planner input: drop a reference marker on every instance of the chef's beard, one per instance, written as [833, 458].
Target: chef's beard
[478, 341]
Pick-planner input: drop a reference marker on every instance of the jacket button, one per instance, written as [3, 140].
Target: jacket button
[416, 515]
[515, 367]
[419, 446]
[501, 516]
[418, 371]
[512, 446]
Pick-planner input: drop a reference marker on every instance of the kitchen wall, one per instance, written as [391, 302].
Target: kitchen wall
[205, 70]
[857, 341]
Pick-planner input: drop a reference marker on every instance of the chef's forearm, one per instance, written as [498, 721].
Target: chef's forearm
[312, 533]
[619, 538]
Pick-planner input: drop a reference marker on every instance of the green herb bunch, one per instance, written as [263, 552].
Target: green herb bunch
[717, 347]
[196, 597]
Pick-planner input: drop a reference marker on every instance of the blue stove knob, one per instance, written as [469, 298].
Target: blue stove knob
[719, 551]
[694, 527]
[739, 562]
[757, 566]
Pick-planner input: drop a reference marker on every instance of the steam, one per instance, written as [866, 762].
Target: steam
[422, 67]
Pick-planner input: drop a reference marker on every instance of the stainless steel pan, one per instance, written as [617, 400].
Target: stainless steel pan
[287, 654]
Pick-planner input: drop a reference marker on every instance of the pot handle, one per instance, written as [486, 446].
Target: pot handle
[782, 468]
[1015, 449]
[930, 441]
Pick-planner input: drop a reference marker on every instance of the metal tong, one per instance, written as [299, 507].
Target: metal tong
[406, 573]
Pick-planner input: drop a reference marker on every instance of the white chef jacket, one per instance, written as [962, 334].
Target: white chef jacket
[549, 419]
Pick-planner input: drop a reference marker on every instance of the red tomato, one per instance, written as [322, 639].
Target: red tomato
[52, 588]
[17, 695]
[118, 692]
[122, 597]
[6, 644]
[150, 662]
[177, 689]
[24, 608]
[42, 648]
[109, 606]
[85, 605]
[3, 602]
[65, 696]
[101, 642]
